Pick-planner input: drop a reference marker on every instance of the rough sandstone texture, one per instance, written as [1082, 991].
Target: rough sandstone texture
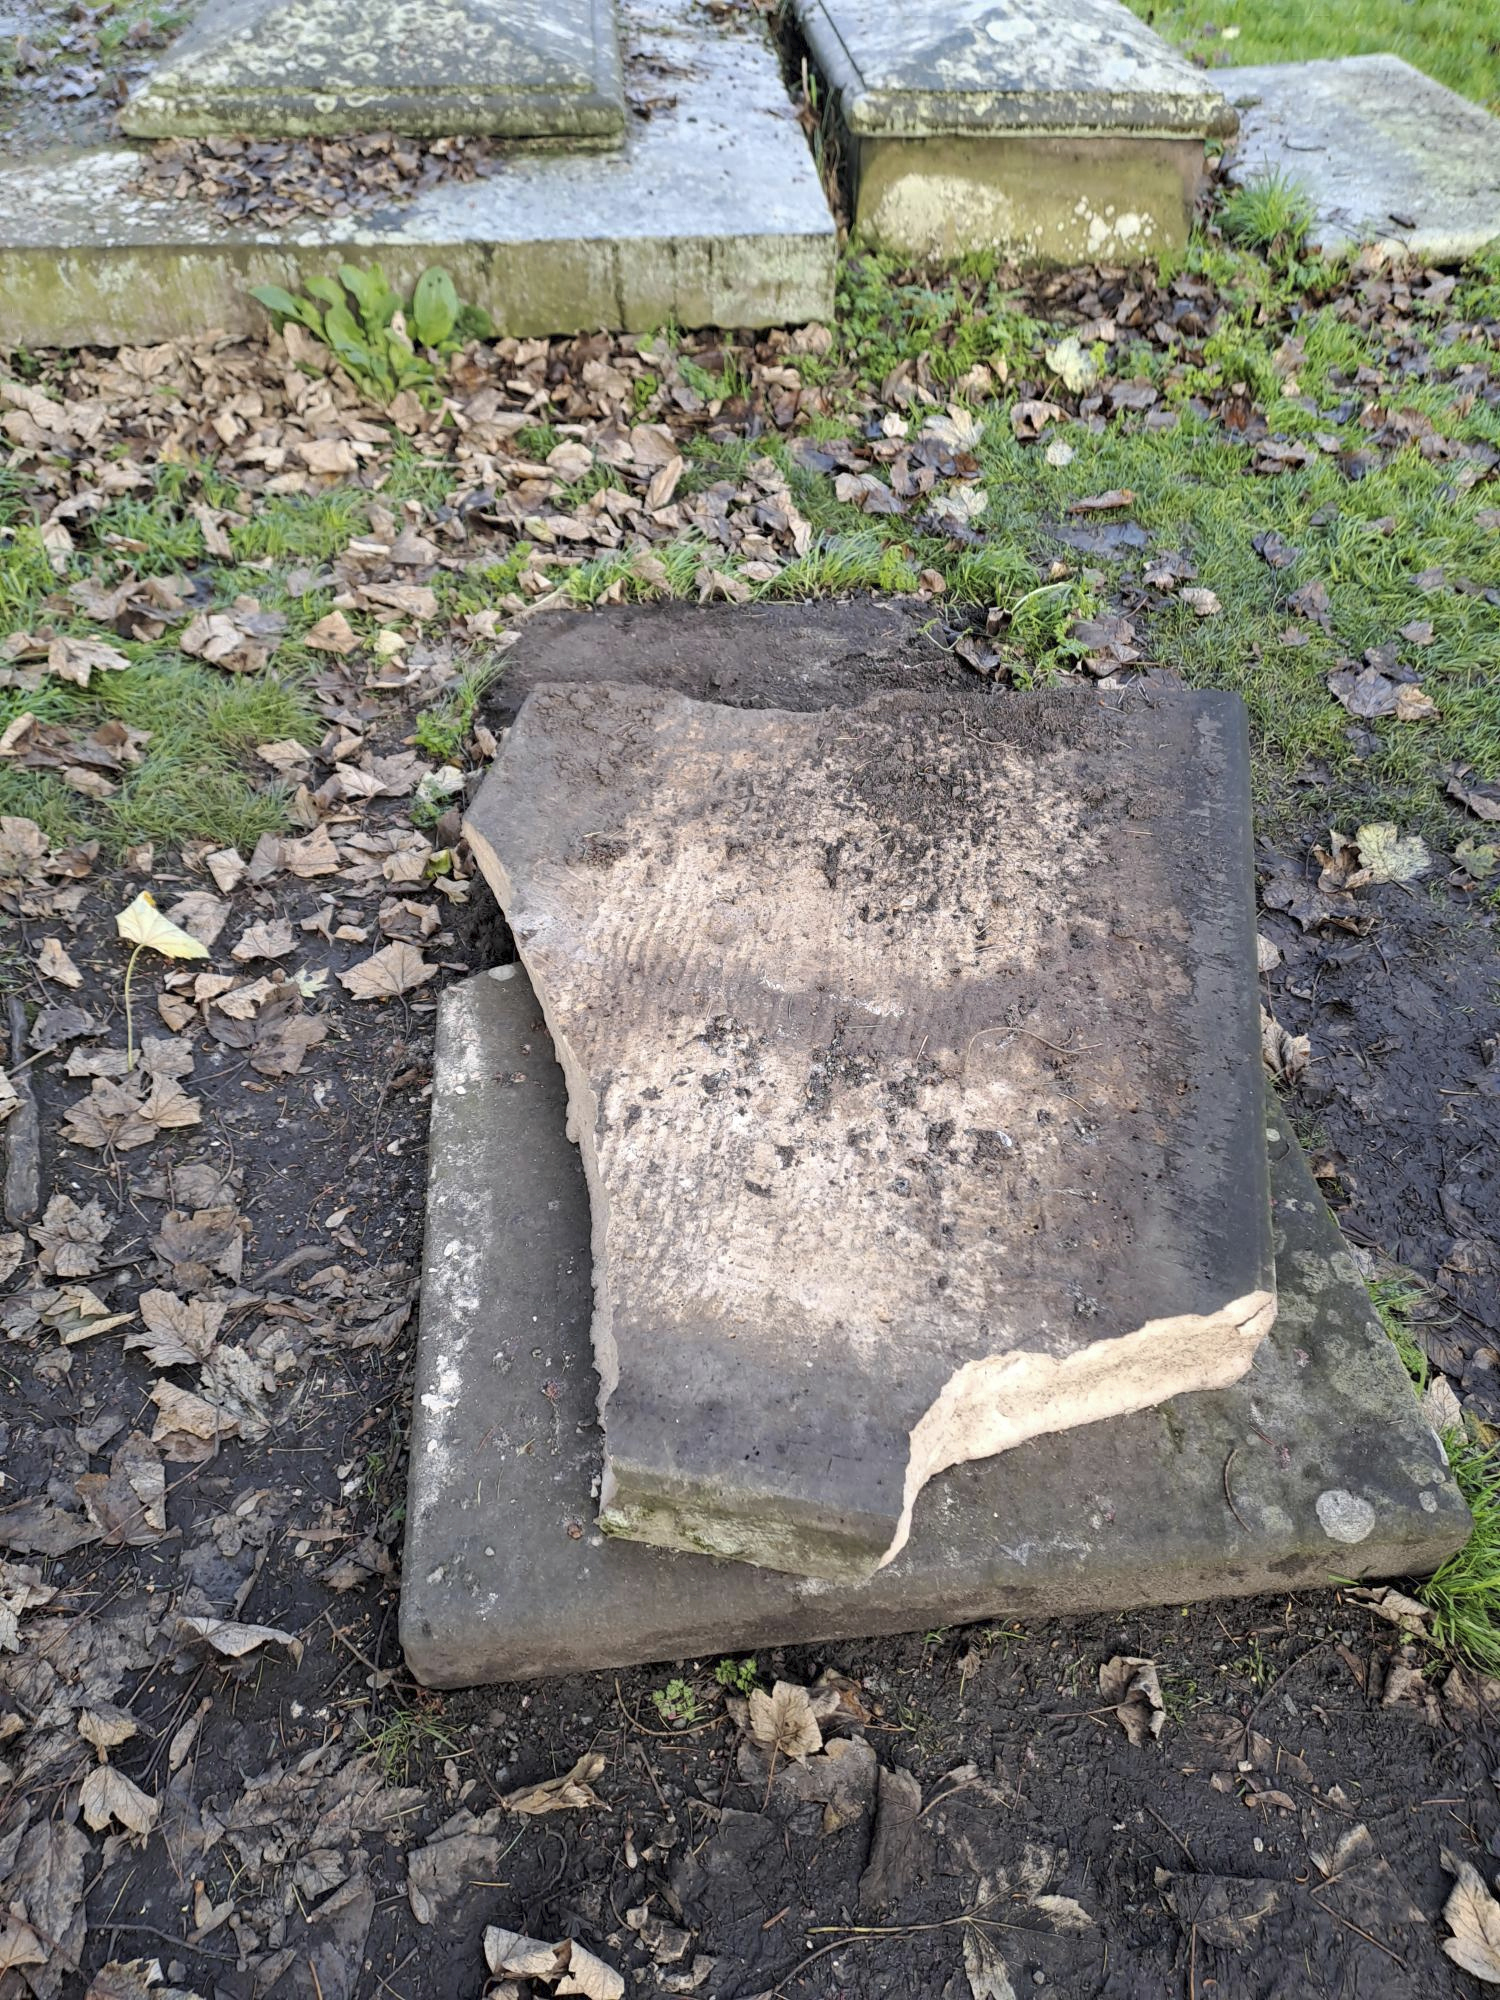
[504, 1575]
[522, 69]
[912, 1054]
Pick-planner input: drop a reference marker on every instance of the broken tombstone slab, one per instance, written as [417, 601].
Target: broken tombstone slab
[518, 69]
[1318, 1465]
[1383, 155]
[913, 1056]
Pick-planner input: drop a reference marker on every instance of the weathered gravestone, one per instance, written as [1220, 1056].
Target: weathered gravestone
[1052, 129]
[1315, 1464]
[707, 212]
[912, 1050]
[521, 69]
[1384, 156]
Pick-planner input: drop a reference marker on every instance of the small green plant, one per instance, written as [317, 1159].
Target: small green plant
[676, 1704]
[384, 343]
[443, 729]
[409, 1733]
[737, 1675]
[1272, 215]
[1396, 1298]
[1256, 1667]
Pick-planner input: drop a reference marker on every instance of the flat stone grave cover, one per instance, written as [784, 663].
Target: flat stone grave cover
[913, 1053]
[1385, 155]
[1318, 1465]
[521, 69]
[910, 69]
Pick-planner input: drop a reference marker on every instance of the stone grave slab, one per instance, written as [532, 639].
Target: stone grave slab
[913, 1055]
[1314, 1467]
[1052, 129]
[520, 69]
[710, 213]
[1387, 157]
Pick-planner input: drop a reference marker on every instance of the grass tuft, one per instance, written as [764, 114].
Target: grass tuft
[1272, 215]
[1464, 1595]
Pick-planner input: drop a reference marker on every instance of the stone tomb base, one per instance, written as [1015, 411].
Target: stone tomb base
[709, 212]
[1316, 1466]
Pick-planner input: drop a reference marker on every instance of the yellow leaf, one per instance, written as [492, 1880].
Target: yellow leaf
[143, 923]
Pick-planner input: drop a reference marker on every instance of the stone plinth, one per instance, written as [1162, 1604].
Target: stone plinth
[1331, 1471]
[1386, 157]
[1061, 130]
[521, 69]
[912, 1052]
[709, 214]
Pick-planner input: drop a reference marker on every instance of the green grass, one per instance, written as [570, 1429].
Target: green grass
[1396, 1297]
[1364, 539]
[1464, 1595]
[1453, 40]
[1271, 215]
[442, 728]
[411, 1735]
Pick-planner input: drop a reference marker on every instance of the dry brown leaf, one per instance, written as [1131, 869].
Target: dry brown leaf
[574, 1789]
[588, 1975]
[179, 1332]
[1131, 1684]
[1029, 418]
[70, 1238]
[332, 634]
[232, 1640]
[201, 914]
[107, 1794]
[393, 970]
[266, 938]
[1473, 1916]
[1285, 1055]
[513, 1955]
[106, 1727]
[53, 962]
[1103, 503]
[314, 855]
[75, 659]
[783, 1721]
[227, 867]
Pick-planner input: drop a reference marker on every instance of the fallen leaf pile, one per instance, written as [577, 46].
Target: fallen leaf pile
[279, 181]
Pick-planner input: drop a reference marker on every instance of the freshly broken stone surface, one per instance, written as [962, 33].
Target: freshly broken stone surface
[1059, 129]
[1332, 1469]
[523, 69]
[1386, 157]
[912, 1052]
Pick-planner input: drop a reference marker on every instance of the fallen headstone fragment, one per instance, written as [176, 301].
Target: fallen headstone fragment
[912, 1050]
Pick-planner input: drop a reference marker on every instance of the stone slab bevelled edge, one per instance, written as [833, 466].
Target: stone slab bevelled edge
[1334, 1474]
[1389, 159]
[710, 214]
[920, 69]
[273, 68]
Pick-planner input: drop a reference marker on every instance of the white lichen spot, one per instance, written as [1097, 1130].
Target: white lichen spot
[1344, 1516]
